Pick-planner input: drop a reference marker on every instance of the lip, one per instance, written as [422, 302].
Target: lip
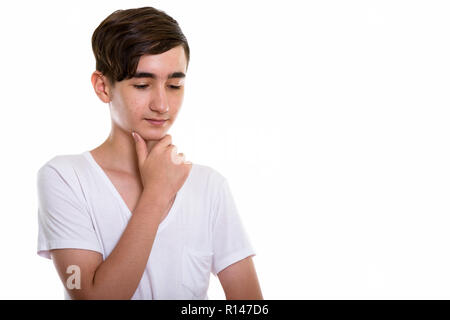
[157, 122]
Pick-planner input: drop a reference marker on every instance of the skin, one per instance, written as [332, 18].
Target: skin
[120, 158]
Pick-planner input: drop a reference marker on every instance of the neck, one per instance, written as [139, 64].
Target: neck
[118, 152]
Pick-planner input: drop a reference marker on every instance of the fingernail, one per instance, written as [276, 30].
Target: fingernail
[134, 136]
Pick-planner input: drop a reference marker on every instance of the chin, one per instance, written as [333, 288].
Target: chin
[154, 134]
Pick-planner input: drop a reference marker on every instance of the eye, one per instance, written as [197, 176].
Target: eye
[140, 86]
[175, 87]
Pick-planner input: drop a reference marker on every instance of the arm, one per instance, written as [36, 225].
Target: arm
[240, 282]
[119, 275]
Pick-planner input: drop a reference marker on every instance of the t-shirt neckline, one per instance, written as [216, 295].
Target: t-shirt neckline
[117, 195]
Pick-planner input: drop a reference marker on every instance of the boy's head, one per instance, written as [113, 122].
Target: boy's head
[125, 35]
[141, 60]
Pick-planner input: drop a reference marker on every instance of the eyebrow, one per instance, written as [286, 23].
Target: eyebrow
[154, 76]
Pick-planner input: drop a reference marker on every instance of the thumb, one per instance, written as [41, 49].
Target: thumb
[141, 148]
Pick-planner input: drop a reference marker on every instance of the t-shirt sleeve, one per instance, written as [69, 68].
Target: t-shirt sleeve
[230, 240]
[63, 220]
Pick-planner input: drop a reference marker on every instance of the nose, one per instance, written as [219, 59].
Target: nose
[159, 101]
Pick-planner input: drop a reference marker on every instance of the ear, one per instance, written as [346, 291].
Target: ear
[101, 86]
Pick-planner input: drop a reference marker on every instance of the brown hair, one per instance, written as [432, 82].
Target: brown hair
[125, 35]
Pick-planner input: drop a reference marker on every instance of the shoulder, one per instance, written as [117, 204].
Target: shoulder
[206, 176]
[204, 184]
[62, 166]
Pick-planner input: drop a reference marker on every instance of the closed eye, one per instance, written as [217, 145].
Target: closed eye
[143, 86]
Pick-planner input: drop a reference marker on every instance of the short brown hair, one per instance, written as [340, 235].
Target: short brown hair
[125, 35]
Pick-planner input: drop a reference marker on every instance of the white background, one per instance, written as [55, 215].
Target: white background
[330, 120]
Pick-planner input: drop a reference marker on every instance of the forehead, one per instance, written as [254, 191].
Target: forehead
[163, 64]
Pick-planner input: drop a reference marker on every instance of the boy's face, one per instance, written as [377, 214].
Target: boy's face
[151, 94]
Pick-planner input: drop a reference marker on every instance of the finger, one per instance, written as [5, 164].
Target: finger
[176, 159]
[141, 148]
[165, 141]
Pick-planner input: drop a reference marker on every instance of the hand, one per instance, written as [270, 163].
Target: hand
[163, 171]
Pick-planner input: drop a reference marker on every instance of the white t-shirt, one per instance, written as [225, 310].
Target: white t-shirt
[79, 207]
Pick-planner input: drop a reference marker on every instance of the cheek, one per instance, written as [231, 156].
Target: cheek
[174, 109]
[135, 107]
[175, 103]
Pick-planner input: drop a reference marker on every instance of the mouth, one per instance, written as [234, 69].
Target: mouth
[157, 122]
